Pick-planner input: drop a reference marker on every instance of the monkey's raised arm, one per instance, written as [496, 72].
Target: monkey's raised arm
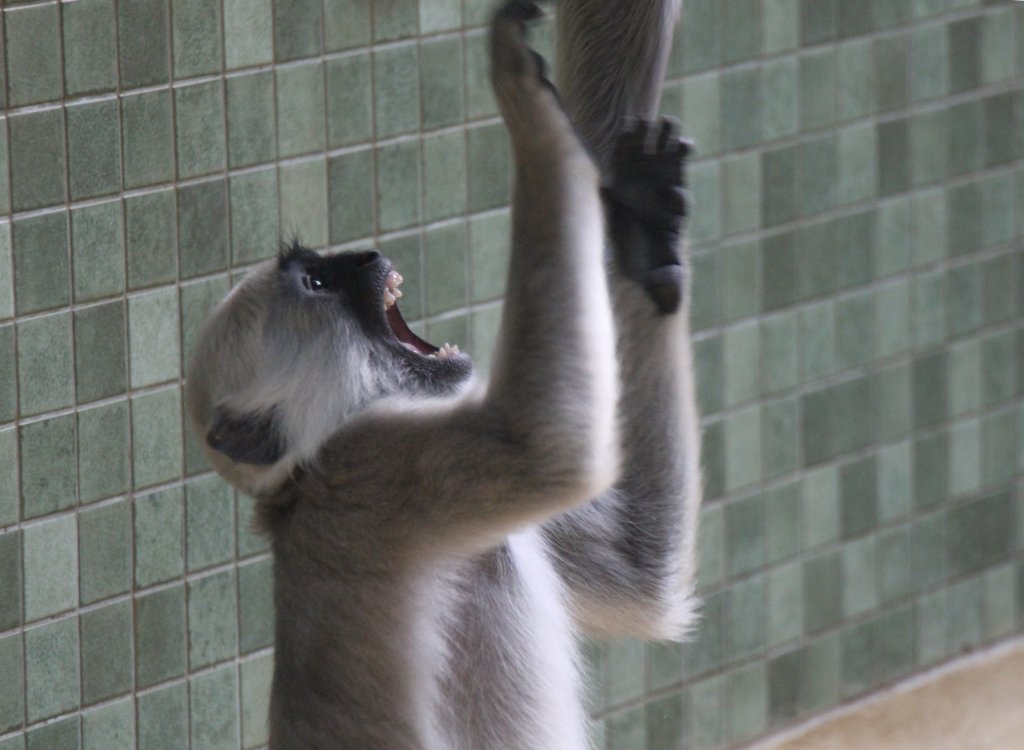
[628, 557]
[542, 438]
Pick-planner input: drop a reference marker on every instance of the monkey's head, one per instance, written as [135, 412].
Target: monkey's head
[302, 344]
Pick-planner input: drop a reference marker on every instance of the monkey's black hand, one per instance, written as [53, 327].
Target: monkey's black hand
[646, 208]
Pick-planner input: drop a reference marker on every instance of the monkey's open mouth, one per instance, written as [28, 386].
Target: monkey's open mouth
[401, 330]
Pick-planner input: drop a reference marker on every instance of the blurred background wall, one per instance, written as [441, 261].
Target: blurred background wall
[858, 257]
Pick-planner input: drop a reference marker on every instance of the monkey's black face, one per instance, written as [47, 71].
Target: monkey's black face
[366, 286]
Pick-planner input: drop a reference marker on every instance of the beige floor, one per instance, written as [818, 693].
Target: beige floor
[976, 706]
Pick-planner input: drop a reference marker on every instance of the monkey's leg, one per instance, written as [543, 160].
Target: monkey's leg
[628, 557]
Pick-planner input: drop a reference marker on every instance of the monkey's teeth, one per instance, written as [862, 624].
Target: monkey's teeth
[446, 351]
[392, 292]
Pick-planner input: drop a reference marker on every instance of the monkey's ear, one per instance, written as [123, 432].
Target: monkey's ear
[246, 438]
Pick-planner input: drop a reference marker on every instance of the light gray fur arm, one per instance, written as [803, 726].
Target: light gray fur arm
[628, 557]
[542, 437]
[612, 56]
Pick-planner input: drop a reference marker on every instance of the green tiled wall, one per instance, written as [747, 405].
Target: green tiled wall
[858, 306]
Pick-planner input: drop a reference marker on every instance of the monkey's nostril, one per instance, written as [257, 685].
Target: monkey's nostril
[365, 259]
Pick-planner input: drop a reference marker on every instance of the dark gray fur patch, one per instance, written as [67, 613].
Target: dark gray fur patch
[246, 438]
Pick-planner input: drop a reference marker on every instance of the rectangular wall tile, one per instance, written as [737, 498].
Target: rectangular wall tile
[210, 514]
[351, 197]
[196, 32]
[8, 371]
[48, 466]
[202, 230]
[106, 652]
[253, 199]
[51, 568]
[34, 70]
[250, 119]
[303, 200]
[255, 606]
[212, 618]
[105, 551]
[11, 583]
[148, 138]
[159, 537]
[6, 267]
[100, 351]
[160, 639]
[94, 149]
[97, 244]
[90, 42]
[248, 32]
[51, 649]
[112, 726]
[163, 718]
[153, 336]
[62, 733]
[156, 437]
[213, 698]
[297, 29]
[300, 100]
[12, 690]
[199, 128]
[143, 42]
[42, 278]
[45, 378]
[103, 441]
[255, 675]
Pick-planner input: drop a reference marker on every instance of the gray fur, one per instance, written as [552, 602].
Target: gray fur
[439, 543]
[612, 56]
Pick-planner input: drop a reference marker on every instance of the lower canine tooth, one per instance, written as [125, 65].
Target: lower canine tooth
[446, 351]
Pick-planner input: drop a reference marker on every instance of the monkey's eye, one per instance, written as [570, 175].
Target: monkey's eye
[313, 283]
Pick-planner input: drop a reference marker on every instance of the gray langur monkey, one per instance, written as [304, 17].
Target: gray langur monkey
[438, 543]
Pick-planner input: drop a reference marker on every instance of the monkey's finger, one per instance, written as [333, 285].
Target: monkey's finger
[671, 200]
[667, 135]
[664, 285]
[629, 124]
[634, 138]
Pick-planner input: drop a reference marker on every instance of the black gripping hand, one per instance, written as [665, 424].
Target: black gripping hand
[646, 207]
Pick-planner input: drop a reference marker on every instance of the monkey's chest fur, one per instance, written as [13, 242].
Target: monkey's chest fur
[512, 678]
[473, 655]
